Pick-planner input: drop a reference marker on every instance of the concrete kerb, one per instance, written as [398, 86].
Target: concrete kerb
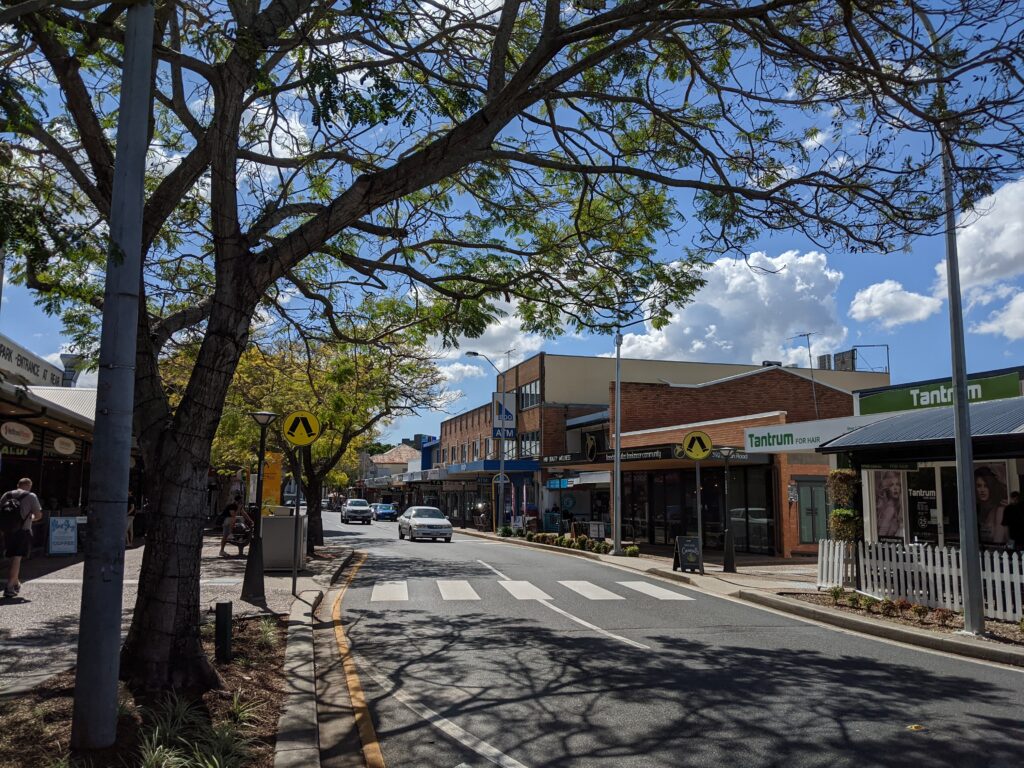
[533, 544]
[298, 733]
[977, 649]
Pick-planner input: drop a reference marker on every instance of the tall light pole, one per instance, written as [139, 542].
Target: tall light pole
[617, 479]
[729, 555]
[253, 588]
[94, 719]
[501, 432]
[970, 550]
[810, 362]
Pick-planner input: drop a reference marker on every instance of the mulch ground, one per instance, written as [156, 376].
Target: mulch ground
[35, 728]
[996, 631]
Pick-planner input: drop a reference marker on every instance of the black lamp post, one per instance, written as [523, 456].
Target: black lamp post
[252, 586]
[729, 556]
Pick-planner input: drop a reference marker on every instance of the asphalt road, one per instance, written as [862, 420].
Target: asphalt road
[563, 661]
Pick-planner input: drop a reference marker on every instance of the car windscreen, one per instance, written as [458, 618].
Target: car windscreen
[357, 503]
[434, 514]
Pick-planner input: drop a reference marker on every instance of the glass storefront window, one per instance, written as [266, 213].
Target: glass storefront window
[673, 505]
[657, 507]
[760, 530]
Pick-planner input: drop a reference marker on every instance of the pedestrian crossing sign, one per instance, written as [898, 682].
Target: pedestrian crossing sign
[301, 428]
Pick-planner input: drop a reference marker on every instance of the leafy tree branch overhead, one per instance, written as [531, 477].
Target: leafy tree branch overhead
[357, 170]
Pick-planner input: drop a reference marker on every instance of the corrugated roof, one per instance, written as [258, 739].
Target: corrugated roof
[80, 401]
[997, 418]
[400, 454]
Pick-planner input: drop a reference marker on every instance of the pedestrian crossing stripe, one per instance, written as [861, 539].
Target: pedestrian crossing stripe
[454, 590]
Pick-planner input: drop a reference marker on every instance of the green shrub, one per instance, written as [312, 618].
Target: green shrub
[530, 536]
[845, 525]
[836, 593]
[520, 532]
[902, 606]
[267, 638]
[581, 542]
[920, 611]
[869, 603]
[887, 607]
[854, 600]
[841, 487]
[562, 541]
[241, 711]
[943, 616]
[632, 551]
[505, 530]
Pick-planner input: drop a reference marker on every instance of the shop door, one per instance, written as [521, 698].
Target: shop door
[813, 511]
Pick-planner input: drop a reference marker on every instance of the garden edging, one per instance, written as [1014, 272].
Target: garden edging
[535, 545]
[298, 732]
[976, 649]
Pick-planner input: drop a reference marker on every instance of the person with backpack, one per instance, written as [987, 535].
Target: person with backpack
[18, 510]
[228, 518]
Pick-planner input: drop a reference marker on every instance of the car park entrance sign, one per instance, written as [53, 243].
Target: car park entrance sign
[301, 428]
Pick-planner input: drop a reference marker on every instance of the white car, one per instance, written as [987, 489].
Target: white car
[424, 523]
[356, 510]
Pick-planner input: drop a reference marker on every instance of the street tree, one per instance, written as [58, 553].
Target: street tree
[354, 390]
[574, 164]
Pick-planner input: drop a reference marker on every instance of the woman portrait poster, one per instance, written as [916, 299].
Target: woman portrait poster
[889, 504]
[990, 498]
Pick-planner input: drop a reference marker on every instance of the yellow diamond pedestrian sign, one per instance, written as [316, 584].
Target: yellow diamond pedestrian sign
[696, 445]
[301, 427]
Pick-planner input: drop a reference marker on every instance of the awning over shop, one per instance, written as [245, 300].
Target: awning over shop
[997, 430]
[491, 465]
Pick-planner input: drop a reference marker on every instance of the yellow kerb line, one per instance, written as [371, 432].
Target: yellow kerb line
[364, 723]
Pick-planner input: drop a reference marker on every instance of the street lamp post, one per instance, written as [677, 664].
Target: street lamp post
[252, 586]
[501, 436]
[617, 525]
[729, 556]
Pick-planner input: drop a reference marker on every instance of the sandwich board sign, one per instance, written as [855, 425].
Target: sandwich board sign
[688, 555]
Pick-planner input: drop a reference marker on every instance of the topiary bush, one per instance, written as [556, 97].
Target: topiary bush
[530, 536]
[632, 551]
[841, 487]
[505, 530]
[845, 525]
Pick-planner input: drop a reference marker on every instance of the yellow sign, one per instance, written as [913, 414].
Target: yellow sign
[300, 427]
[696, 445]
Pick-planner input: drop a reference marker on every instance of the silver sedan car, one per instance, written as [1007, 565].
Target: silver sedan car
[424, 523]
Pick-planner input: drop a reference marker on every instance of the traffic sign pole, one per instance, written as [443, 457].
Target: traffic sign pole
[295, 551]
[301, 428]
[700, 521]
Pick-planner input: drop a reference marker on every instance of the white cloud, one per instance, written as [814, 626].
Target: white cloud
[1008, 321]
[891, 305]
[747, 313]
[991, 246]
[816, 139]
[505, 334]
[459, 371]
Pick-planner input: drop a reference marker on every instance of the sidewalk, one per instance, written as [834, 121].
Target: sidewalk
[39, 631]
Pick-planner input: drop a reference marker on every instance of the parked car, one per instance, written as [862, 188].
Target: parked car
[382, 511]
[356, 511]
[424, 523]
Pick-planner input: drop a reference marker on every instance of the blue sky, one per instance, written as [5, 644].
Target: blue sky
[746, 315]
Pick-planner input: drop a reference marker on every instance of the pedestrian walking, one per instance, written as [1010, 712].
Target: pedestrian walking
[18, 510]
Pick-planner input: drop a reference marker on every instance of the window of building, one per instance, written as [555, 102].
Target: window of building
[510, 448]
[476, 450]
[463, 453]
[487, 448]
[529, 444]
[529, 395]
[444, 455]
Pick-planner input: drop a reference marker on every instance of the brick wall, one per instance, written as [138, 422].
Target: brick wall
[649, 406]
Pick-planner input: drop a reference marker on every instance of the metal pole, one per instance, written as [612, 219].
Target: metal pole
[253, 587]
[501, 457]
[94, 719]
[970, 550]
[729, 556]
[617, 470]
[814, 388]
[700, 521]
[295, 551]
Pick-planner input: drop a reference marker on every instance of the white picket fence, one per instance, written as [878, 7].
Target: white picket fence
[925, 574]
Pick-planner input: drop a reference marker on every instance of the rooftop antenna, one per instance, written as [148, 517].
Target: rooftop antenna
[806, 336]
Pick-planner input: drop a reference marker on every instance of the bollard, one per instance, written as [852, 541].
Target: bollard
[222, 631]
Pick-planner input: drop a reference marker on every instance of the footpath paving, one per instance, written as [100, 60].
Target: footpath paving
[39, 630]
[762, 584]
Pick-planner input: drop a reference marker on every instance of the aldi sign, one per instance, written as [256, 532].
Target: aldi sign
[916, 396]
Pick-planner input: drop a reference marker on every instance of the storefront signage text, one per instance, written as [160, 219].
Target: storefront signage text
[24, 365]
[65, 446]
[16, 433]
[941, 393]
[803, 436]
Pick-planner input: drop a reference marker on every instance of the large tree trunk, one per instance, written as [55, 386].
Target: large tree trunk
[163, 648]
[313, 488]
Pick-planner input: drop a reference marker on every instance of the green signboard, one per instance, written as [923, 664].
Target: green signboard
[916, 396]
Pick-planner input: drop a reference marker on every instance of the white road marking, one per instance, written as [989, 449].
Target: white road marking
[395, 591]
[590, 591]
[653, 591]
[595, 628]
[456, 590]
[524, 590]
[502, 575]
[443, 724]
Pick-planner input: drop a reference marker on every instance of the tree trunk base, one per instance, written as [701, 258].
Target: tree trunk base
[190, 672]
